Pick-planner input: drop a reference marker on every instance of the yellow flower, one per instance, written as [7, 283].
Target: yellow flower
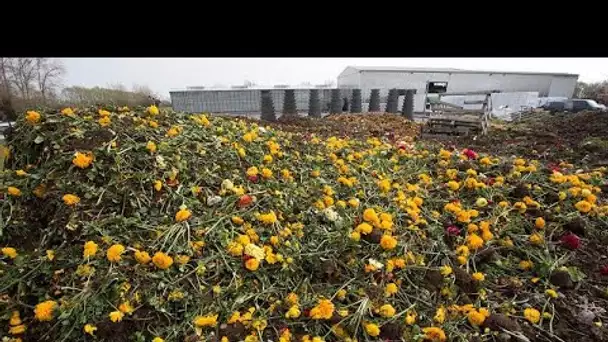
[526, 265]
[20, 173]
[252, 264]
[476, 318]
[205, 321]
[90, 249]
[266, 173]
[478, 276]
[9, 252]
[474, 242]
[50, 254]
[551, 293]
[372, 329]
[387, 311]
[583, 206]
[323, 310]
[182, 259]
[82, 160]
[353, 202]
[32, 117]
[14, 191]
[388, 242]
[293, 312]
[183, 215]
[410, 318]
[173, 131]
[434, 334]
[67, 111]
[116, 316]
[445, 270]
[162, 260]
[103, 113]
[17, 329]
[153, 124]
[114, 252]
[71, 199]
[539, 223]
[104, 121]
[439, 315]
[481, 202]
[364, 228]
[269, 218]
[44, 311]
[153, 110]
[369, 215]
[235, 248]
[532, 315]
[390, 289]
[142, 257]
[252, 171]
[160, 339]
[158, 185]
[15, 318]
[151, 146]
[453, 185]
[237, 220]
[536, 239]
[384, 185]
[126, 308]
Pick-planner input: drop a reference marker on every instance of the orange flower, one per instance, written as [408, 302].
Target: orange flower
[82, 160]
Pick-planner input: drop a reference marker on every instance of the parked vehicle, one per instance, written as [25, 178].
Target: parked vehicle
[554, 106]
[577, 105]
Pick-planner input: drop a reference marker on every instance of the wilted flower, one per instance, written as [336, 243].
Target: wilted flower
[571, 241]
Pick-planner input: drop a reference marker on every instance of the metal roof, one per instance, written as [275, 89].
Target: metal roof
[282, 87]
[454, 70]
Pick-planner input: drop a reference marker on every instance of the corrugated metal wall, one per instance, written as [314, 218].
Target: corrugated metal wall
[242, 100]
[545, 85]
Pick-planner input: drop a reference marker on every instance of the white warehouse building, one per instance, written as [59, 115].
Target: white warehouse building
[455, 81]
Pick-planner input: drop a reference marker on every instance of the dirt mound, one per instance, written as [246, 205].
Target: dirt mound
[352, 125]
[574, 138]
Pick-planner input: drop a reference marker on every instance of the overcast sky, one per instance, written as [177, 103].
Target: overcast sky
[165, 74]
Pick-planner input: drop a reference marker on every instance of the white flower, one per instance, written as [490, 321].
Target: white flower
[375, 263]
[213, 200]
[255, 251]
[160, 161]
[227, 184]
[330, 214]
[262, 130]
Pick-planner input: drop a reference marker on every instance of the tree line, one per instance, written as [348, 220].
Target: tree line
[37, 82]
[597, 91]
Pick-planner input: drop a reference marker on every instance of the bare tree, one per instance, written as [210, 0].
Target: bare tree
[23, 71]
[5, 76]
[48, 72]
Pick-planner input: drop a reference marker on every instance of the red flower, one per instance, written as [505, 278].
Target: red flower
[604, 270]
[253, 178]
[554, 167]
[571, 241]
[469, 153]
[490, 181]
[453, 230]
[244, 201]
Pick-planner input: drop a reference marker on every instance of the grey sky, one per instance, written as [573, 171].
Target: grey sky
[164, 74]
